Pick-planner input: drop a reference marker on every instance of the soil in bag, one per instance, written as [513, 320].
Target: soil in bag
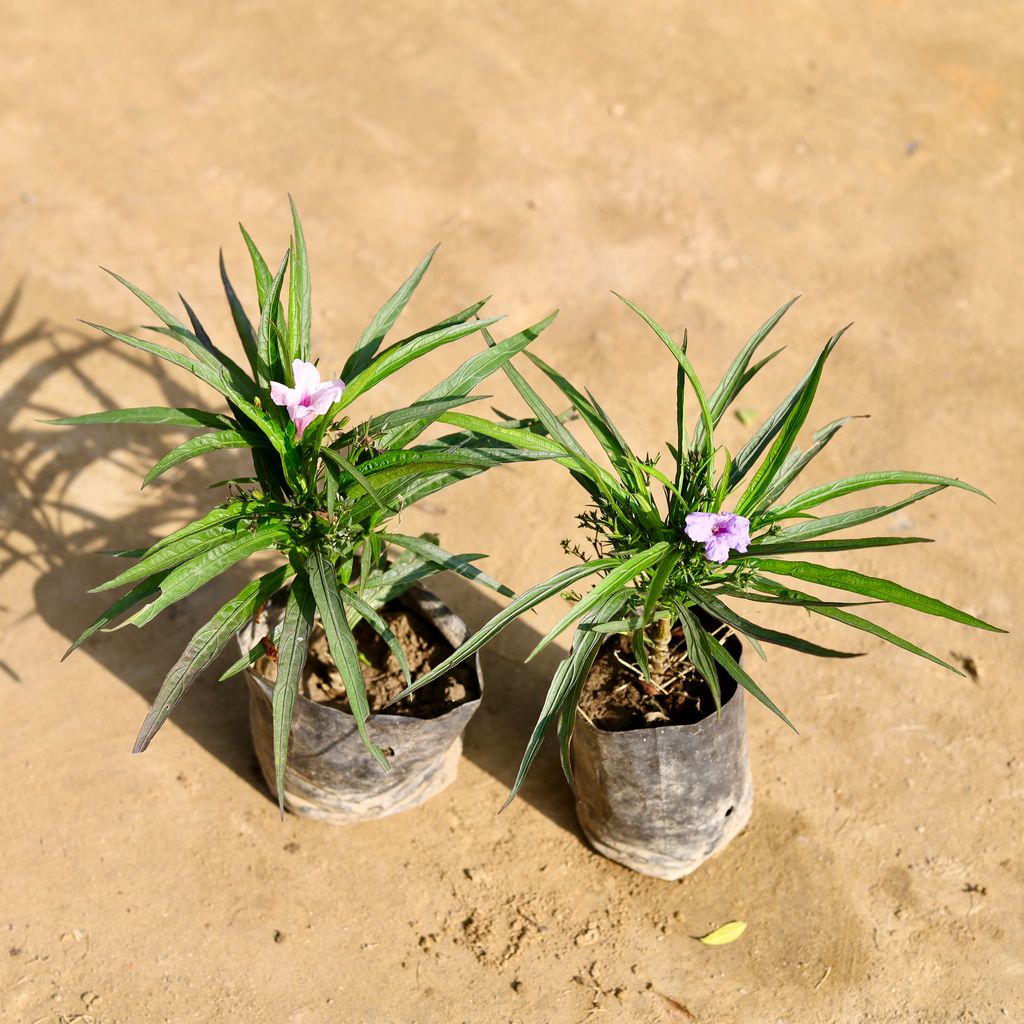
[424, 647]
[616, 697]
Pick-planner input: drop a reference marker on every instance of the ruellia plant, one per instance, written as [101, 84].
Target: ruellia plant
[323, 490]
[672, 548]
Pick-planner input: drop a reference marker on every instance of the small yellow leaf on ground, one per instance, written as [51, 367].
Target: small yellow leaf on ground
[727, 933]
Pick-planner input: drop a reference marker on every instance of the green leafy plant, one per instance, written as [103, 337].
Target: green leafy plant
[324, 489]
[667, 556]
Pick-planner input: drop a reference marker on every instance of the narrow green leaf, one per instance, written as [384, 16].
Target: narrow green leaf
[331, 456]
[292, 650]
[147, 416]
[830, 611]
[300, 314]
[618, 578]
[682, 441]
[462, 381]
[766, 433]
[426, 412]
[691, 376]
[639, 642]
[523, 603]
[264, 287]
[145, 589]
[187, 578]
[401, 487]
[698, 651]
[587, 470]
[208, 641]
[272, 367]
[180, 547]
[411, 474]
[446, 560]
[324, 584]
[197, 328]
[261, 270]
[849, 485]
[382, 322]
[729, 663]
[722, 488]
[657, 585]
[201, 445]
[165, 315]
[784, 596]
[845, 520]
[251, 656]
[724, 613]
[796, 462]
[788, 431]
[242, 323]
[380, 627]
[197, 342]
[236, 480]
[216, 362]
[735, 377]
[563, 695]
[621, 626]
[217, 378]
[747, 416]
[870, 586]
[600, 426]
[392, 359]
[331, 489]
[550, 421]
[759, 550]
[224, 514]
[406, 570]
[515, 437]
[210, 372]
[456, 318]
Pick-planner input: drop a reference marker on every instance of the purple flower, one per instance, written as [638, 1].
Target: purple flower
[310, 397]
[720, 531]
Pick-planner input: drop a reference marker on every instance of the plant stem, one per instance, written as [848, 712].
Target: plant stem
[659, 653]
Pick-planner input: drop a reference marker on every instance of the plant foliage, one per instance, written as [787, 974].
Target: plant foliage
[651, 576]
[322, 502]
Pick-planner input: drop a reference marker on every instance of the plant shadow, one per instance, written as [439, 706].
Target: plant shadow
[513, 696]
[46, 527]
[52, 521]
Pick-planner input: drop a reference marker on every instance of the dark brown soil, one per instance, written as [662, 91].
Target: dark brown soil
[614, 696]
[424, 648]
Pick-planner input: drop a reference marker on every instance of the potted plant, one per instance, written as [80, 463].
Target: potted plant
[322, 495]
[648, 703]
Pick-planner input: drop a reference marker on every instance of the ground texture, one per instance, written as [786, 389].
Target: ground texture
[708, 160]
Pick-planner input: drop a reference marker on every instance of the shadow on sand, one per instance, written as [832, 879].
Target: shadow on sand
[49, 477]
[45, 525]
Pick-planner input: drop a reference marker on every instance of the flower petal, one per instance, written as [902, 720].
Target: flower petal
[281, 394]
[302, 416]
[739, 532]
[699, 525]
[307, 377]
[717, 549]
[324, 397]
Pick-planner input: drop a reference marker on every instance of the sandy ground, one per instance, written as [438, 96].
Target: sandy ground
[708, 160]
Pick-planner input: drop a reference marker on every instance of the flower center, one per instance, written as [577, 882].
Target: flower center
[719, 528]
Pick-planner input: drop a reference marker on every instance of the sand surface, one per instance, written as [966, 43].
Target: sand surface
[708, 160]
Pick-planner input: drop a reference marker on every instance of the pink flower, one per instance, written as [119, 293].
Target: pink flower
[720, 531]
[310, 397]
